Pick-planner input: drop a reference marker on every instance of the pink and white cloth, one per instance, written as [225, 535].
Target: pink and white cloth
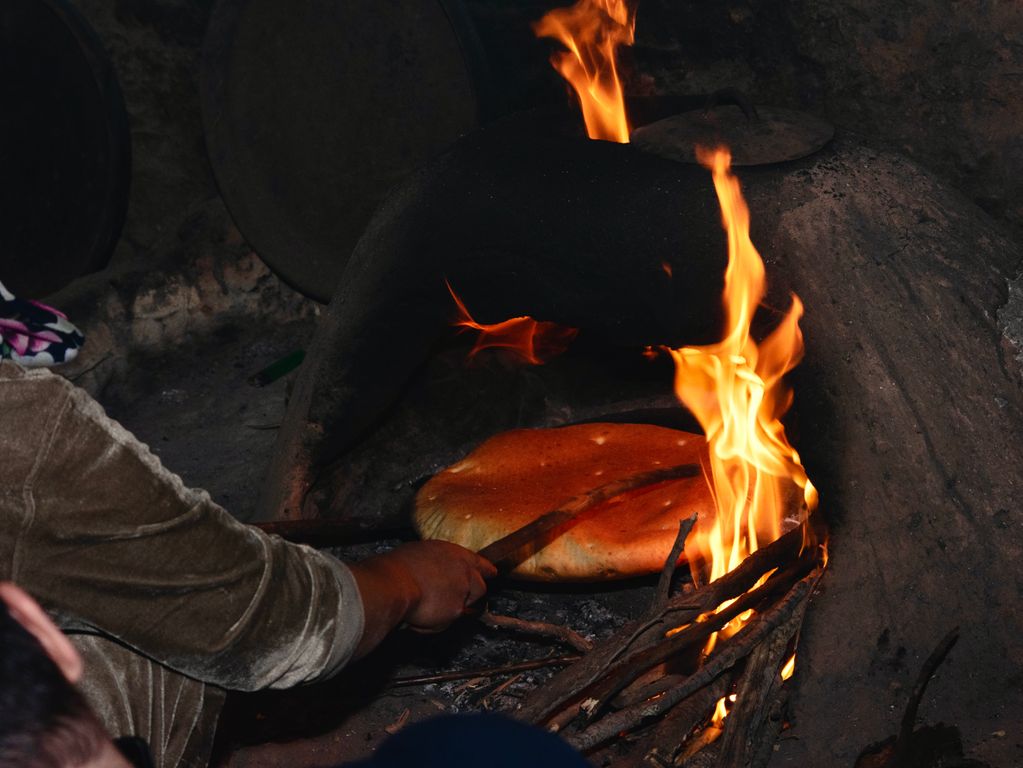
[34, 334]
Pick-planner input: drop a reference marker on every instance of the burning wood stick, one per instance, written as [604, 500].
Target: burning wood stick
[541, 628]
[641, 690]
[739, 646]
[567, 686]
[748, 725]
[696, 633]
[666, 739]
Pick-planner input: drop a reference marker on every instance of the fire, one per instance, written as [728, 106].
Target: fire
[592, 30]
[721, 710]
[789, 668]
[531, 341]
[735, 389]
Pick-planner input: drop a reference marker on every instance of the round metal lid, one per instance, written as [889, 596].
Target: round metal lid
[314, 109]
[65, 146]
[776, 135]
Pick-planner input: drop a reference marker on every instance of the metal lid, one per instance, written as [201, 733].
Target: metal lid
[314, 109]
[65, 146]
[775, 135]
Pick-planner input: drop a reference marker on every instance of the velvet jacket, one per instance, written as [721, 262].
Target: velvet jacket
[170, 599]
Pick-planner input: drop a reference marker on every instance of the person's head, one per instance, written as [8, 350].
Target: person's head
[44, 721]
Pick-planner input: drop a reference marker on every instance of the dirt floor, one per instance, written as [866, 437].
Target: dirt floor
[348, 717]
[197, 409]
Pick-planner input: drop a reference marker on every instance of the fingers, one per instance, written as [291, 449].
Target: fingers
[477, 588]
[450, 580]
[485, 567]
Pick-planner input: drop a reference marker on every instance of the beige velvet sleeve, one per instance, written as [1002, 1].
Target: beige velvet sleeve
[112, 542]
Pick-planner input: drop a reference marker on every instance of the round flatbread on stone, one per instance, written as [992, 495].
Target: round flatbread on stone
[515, 477]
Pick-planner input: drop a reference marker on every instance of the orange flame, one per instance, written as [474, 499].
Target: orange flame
[734, 388]
[721, 710]
[592, 30]
[531, 341]
[789, 667]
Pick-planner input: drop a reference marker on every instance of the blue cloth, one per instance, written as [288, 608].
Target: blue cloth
[473, 740]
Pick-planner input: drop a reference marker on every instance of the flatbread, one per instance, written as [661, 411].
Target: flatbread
[515, 477]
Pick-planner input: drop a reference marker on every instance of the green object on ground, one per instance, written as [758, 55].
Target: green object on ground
[277, 369]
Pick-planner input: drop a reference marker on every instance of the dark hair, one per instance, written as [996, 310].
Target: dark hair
[44, 721]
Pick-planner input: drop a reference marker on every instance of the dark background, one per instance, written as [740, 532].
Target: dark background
[940, 81]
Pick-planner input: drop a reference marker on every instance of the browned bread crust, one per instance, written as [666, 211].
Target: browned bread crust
[515, 477]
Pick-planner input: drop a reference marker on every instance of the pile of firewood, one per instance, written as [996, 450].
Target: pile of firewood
[652, 682]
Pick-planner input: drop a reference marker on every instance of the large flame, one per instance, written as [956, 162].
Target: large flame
[735, 390]
[531, 341]
[592, 30]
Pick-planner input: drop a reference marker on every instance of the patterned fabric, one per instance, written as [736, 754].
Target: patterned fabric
[34, 334]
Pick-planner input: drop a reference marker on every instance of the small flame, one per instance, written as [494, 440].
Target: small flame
[789, 668]
[721, 710]
[531, 341]
[592, 30]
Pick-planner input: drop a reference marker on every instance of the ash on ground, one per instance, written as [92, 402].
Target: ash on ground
[592, 610]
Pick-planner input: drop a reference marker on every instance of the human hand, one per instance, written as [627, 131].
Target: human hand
[426, 584]
[448, 579]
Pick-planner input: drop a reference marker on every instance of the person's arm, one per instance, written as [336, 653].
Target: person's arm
[115, 543]
[426, 584]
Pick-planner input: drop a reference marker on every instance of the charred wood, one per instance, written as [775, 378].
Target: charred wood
[538, 628]
[737, 647]
[682, 609]
[749, 724]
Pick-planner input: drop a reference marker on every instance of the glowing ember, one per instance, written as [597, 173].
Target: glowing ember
[531, 341]
[592, 30]
[789, 668]
[735, 390]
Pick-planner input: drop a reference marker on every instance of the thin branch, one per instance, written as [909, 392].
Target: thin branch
[508, 669]
[930, 666]
[661, 592]
[79, 374]
[671, 563]
[540, 628]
